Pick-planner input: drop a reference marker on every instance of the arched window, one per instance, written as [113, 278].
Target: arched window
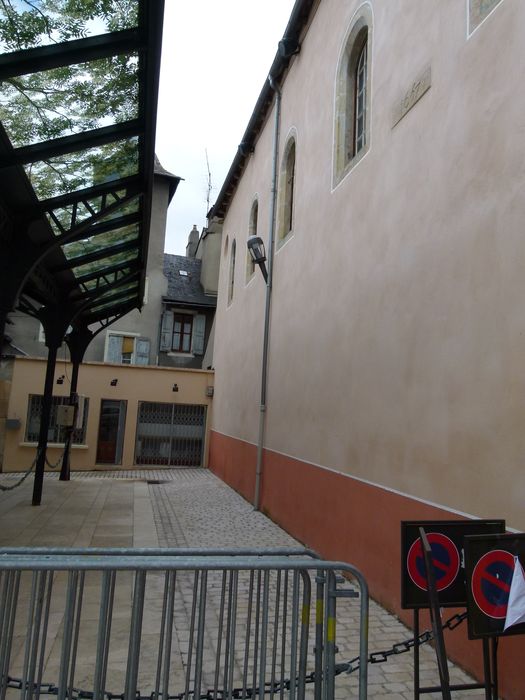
[352, 100]
[252, 231]
[231, 278]
[287, 191]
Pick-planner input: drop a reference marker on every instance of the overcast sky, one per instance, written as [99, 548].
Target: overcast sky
[215, 58]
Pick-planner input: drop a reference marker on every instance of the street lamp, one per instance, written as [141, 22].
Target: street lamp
[258, 254]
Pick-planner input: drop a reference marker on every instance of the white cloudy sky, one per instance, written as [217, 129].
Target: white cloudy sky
[216, 56]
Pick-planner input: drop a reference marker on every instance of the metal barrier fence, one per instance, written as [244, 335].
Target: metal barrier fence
[183, 624]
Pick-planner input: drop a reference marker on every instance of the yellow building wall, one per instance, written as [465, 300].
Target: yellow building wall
[135, 383]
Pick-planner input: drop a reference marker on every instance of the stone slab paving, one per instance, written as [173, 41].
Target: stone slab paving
[182, 508]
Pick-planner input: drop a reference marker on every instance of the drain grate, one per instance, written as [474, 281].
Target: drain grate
[156, 481]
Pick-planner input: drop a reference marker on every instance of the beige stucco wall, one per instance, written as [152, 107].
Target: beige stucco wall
[397, 349]
[135, 384]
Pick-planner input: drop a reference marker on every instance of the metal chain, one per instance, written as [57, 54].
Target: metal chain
[379, 657]
[28, 472]
[22, 479]
[375, 657]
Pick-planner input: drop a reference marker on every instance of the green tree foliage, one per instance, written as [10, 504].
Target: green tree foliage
[70, 99]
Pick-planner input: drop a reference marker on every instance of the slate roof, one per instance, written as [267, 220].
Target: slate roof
[186, 289]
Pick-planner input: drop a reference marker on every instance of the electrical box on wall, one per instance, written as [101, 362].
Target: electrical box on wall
[65, 416]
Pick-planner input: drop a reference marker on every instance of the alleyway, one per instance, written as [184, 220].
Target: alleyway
[190, 508]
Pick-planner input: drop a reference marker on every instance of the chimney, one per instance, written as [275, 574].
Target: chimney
[193, 242]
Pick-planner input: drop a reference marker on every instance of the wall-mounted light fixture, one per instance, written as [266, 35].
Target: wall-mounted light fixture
[175, 387]
[60, 379]
[114, 382]
[258, 254]
[209, 391]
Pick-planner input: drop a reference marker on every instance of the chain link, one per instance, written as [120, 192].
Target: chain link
[376, 657]
[31, 468]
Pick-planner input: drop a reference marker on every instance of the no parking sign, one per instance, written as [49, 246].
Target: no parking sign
[446, 541]
[489, 563]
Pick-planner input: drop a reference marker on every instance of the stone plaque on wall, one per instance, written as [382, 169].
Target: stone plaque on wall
[478, 10]
[414, 93]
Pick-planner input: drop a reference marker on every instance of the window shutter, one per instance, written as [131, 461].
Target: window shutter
[166, 331]
[142, 351]
[199, 324]
[114, 349]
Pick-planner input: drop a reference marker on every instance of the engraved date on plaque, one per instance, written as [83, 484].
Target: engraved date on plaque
[412, 95]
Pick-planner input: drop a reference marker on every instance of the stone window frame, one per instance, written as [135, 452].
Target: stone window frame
[252, 231]
[473, 26]
[358, 39]
[287, 190]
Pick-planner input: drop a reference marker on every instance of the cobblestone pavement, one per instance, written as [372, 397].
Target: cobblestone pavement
[192, 508]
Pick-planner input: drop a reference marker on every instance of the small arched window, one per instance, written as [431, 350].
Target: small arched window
[287, 191]
[231, 277]
[352, 100]
[252, 231]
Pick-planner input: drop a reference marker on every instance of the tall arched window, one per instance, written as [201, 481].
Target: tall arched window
[287, 191]
[231, 277]
[252, 231]
[352, 100]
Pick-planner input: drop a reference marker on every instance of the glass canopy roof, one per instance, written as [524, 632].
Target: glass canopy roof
[78, 94]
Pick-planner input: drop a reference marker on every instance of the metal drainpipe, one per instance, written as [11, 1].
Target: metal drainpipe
[264, 373]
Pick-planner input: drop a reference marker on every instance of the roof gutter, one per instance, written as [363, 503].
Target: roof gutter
[287, 48]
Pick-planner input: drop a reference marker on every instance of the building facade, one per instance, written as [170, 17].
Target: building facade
[395, 387]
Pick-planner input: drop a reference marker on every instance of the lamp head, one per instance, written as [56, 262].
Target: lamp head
[256, 249]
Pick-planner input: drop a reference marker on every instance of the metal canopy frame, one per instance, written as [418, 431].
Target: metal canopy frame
[35, 231]
[75, 206]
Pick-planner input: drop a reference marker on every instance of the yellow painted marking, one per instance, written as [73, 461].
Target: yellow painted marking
[306, 614]
[319, 612]
[330, 630]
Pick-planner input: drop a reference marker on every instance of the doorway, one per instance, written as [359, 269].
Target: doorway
[111, 431]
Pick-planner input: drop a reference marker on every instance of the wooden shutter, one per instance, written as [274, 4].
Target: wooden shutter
[166, 331]
[142, 351]
[114, 353]
[199, 325]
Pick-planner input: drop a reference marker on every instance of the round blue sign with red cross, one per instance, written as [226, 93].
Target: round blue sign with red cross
[491, 579]
[445, 557]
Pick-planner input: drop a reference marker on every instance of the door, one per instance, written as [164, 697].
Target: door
[111, 431]
[170, 434]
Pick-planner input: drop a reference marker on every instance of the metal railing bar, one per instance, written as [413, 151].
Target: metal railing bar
[192, 633]
[104, 621]
[163, 551]
[12, 586]
[247, 635]
[200, 634]
[293, 636]
[219, 637]
[275, 634]
[134, 637]
[264, 632]
[47, 607]
[284, 633]
[172, 580]
[257, 632]
[305, 627]
[69, 619]
[233, 629]
[30, 635]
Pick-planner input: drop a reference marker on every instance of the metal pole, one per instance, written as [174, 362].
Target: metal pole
[44, 425]
[266, 339]
[65, 468]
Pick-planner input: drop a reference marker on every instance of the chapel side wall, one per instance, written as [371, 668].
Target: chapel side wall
[397, 337]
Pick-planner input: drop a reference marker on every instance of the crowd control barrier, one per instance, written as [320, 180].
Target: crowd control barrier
[167, 624]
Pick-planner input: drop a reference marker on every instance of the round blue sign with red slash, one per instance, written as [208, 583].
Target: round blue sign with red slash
[491, 579]
[445, 557]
